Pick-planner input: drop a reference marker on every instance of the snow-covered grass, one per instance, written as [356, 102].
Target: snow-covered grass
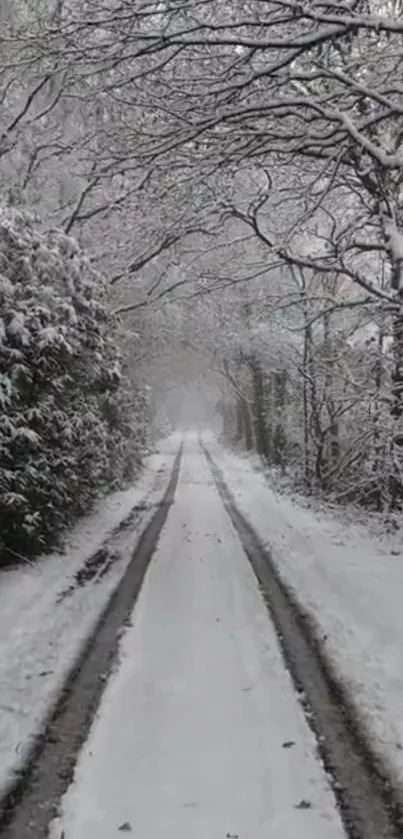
[350, 581]
[40, 635]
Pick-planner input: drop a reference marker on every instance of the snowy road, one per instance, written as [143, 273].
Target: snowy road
[199, 734]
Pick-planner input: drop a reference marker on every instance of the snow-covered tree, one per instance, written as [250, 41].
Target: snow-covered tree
[68, 424]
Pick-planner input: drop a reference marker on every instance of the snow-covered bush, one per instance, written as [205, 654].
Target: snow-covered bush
[68, 425]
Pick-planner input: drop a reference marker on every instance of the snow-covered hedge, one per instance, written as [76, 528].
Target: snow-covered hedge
[69, 427]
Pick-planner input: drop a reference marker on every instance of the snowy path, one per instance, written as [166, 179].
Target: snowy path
[189, 739]
[38, 650]
[349, 580]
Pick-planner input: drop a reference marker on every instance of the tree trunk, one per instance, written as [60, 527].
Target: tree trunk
[240, 427]
[247, 424]
[314, 424]
[305, 404]
[397, 405]
[381, 488]
[259, 419]
[397, 388]
[334, 445]
[279, 437]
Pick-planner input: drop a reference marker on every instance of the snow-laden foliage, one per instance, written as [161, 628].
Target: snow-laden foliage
[308, 385]
[270, 160]
[68, 425]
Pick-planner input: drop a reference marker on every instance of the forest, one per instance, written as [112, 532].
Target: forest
[198, 195]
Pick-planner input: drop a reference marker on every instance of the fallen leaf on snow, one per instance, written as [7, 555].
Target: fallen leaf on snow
[303, 805]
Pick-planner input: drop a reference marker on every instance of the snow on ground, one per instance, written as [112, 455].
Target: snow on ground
[189, 739]
[40, 637]
[350, 583]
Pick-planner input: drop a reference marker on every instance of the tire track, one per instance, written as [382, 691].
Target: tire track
[32, 801]
[369, 802]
